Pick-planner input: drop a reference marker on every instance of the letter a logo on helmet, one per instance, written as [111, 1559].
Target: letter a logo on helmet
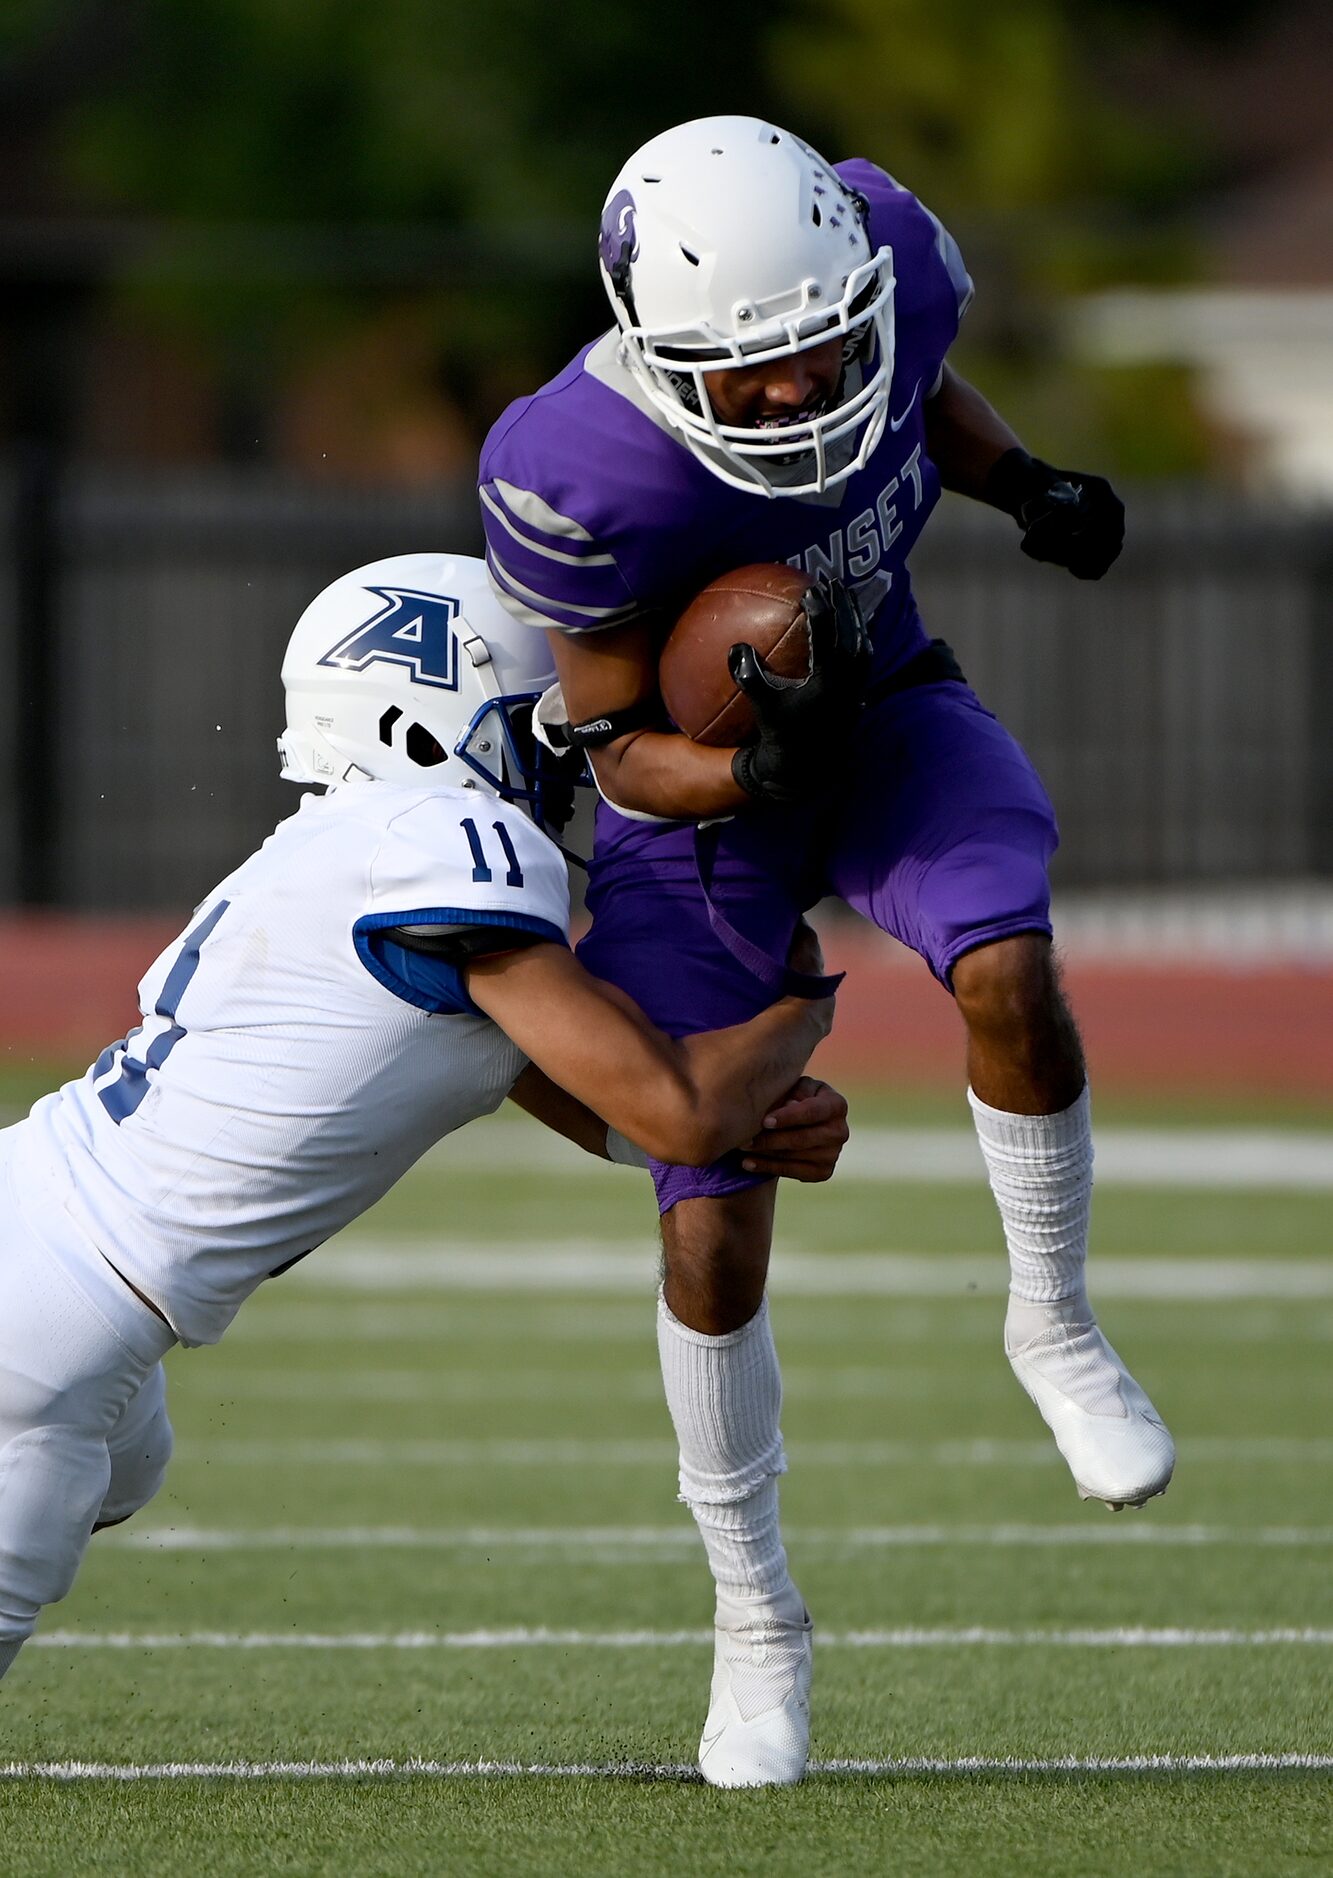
[414, 630]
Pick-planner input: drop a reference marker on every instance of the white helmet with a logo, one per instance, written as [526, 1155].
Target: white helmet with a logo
[410, 670]
[727, 242]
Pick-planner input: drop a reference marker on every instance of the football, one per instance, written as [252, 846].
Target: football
[758, 605]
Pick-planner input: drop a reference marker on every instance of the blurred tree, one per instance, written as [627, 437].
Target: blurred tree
[1002, 120]
[300, 182]
[431, 153]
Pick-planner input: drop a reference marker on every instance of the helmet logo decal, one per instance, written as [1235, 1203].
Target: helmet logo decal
[618, 240]
[414, 630]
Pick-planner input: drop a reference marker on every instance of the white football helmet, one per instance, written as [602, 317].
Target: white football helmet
[410, 670]
[727, 242]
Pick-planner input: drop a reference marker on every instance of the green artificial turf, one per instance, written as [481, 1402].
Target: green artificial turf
[420, 1460]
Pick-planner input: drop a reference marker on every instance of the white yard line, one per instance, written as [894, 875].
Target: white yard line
[906, 1767]
[888, 1381]
[417, 1386]
[434, 1264]
[452, 1331]
[630, 1542]
[1293, 1159]
[540, 1637]
[577, 1451]
[461, 1382]
[319, 1314]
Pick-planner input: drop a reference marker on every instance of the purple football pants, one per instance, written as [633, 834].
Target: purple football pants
[941, 837]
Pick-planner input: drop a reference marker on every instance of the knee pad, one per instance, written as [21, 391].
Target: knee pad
[53, 1479]
[140, 1447]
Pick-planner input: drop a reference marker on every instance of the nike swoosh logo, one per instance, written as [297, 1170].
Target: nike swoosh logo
[896, 423]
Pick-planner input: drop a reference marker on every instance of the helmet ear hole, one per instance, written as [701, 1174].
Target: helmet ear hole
[387, 722]
[423, 748]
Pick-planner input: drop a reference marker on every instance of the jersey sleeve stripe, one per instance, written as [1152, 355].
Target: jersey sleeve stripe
[534, 512]
[516, 597]
[435, 918]
[528, 536]
[590, 588]
[436, 999]
[594, 598]
[956, 268]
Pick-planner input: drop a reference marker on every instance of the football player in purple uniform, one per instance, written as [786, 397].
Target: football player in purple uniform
[776, 388]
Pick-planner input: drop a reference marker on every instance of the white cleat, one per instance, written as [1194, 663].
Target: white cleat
[1115, 1442]
[758, 1728]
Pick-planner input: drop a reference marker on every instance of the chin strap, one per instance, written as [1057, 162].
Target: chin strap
[773, 975]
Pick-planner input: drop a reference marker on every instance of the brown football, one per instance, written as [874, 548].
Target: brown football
[758, 605]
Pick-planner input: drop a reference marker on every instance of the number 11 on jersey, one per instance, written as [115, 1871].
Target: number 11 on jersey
[481, 871]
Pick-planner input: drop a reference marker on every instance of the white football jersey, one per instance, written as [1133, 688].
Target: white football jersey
[289, 1067]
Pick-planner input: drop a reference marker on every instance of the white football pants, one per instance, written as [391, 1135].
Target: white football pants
[84, 1434]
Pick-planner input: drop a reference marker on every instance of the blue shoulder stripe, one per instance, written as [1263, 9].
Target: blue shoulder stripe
[433, 984]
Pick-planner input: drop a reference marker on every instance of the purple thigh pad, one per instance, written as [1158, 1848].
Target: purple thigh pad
[651, 936]
[941, 838]
[945, 835]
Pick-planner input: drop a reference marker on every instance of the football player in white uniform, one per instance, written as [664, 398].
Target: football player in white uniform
[392, 962]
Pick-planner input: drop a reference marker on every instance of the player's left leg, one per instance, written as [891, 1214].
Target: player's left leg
[946, 846]
[74, 1353]
[1029, 1099]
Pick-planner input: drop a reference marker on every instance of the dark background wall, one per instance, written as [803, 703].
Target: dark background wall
[1176, 709]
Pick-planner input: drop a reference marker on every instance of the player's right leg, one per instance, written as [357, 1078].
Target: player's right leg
[651, 935]
[73, 1357]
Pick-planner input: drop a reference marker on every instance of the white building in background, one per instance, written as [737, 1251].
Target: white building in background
[1264, 358]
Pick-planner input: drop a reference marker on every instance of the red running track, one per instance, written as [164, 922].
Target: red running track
[1177, 1029]
[67, 988]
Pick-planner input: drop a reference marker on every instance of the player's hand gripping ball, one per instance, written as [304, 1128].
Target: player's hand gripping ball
[773, 662]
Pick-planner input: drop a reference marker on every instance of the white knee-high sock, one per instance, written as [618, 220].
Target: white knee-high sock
[1040, 1169]
[725, 1396]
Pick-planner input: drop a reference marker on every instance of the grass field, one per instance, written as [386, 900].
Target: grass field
[423, 1511]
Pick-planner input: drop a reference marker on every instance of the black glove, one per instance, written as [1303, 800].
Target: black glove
[805, 724]
[1067, 516]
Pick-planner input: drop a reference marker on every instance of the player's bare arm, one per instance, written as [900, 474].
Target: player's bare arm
[800, 731]
[686, 1101]
[1069, 517]
[654, 772]
[801, 1139]
[965, 435]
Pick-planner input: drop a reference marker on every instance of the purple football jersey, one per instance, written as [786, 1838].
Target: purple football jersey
[596, 512]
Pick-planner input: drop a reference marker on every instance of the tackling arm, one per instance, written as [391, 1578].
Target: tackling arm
[555, 1108]
[685, 1101]
[801, 1139]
